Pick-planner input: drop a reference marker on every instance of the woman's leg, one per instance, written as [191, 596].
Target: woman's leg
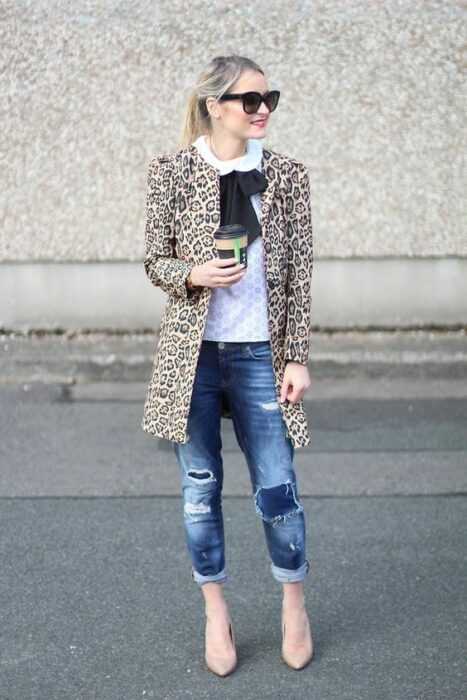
[220, 654]
[261, 433]
[297, 643]
[201, 470]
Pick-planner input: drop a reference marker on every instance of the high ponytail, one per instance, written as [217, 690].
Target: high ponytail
[215, 79]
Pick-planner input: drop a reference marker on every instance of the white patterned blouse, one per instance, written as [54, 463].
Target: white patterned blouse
[239, 313]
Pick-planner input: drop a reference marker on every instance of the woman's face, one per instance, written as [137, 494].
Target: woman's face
[229, 116]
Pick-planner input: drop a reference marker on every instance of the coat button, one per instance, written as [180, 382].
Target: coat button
[272, 284]
[221, 346]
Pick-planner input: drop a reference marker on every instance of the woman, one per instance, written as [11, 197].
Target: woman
[233, 342]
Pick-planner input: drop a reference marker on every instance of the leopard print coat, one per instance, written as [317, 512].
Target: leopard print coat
[183, 211]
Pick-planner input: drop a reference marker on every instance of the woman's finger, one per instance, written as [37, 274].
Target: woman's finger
[284, 389]
[227, 281]
[226, 272]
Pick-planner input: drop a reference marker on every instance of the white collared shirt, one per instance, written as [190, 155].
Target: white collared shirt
[239, 313]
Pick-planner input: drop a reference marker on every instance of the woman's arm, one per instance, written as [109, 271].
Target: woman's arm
[162, 266]
[300, 266]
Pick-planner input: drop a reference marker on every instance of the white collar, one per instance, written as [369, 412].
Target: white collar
[249, 160]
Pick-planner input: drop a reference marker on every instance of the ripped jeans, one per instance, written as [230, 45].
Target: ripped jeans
[243, 373]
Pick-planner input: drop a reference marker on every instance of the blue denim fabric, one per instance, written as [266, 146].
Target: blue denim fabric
[243, 373]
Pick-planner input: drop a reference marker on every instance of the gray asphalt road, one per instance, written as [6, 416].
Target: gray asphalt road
[96, 602]
[369, 436]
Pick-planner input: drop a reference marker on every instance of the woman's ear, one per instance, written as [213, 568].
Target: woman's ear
[213, 107]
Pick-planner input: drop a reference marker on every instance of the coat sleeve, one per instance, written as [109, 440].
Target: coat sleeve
[300, 266]
[162, 266]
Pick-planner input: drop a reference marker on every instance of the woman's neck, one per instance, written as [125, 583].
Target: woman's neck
[227, 149]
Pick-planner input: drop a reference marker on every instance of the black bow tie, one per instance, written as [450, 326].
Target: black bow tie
[236, 188]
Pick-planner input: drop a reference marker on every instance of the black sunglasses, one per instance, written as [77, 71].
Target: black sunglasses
[252, 100]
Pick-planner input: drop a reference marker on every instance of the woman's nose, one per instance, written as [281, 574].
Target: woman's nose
[263, 110]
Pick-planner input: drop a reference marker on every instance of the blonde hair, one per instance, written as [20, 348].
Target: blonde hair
[214, 80]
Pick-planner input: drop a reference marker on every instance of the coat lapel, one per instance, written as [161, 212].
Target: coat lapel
[200, 180]
[267, 196]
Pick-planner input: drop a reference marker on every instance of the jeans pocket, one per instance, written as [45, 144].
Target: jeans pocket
[260, 350]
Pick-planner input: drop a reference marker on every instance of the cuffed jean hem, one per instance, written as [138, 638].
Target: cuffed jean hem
[215, 578]
[290, 575]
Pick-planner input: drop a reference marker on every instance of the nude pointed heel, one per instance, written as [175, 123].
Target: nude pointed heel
[222, 665]
[300, 658]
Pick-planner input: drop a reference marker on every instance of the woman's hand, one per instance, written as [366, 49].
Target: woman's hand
[216, 273]
[295, 382]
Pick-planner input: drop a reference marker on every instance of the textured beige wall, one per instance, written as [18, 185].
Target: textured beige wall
[372, 96]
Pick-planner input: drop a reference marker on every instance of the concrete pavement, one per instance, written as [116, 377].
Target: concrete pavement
[96, 600]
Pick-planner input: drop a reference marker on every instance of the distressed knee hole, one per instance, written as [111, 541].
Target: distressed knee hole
[197, 508]
[201, 476]
[271, 405]
[277, 502]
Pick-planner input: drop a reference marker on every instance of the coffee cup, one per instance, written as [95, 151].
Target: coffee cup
[232, 242]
